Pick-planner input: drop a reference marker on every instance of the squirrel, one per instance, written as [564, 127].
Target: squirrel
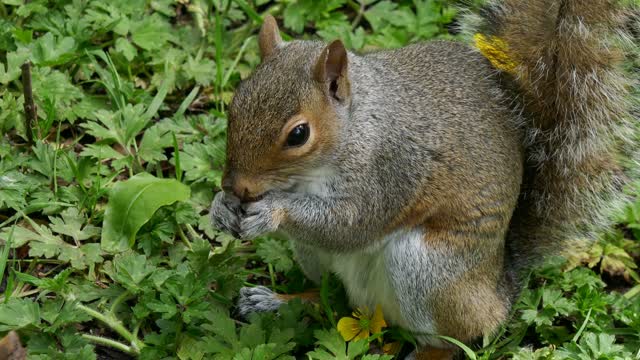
[11, 348]
[430, 178]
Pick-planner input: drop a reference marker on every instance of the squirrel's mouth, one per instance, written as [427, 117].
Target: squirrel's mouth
[251, 199]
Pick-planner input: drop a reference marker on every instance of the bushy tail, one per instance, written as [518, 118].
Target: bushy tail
[562, 63]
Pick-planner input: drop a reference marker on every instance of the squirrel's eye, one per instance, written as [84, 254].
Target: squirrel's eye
[298, 136]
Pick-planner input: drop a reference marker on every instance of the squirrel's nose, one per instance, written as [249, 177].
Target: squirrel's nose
[244, 188]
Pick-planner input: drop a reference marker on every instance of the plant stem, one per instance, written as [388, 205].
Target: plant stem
[360, 8]
[272, 275]
[193, 232]
[184, 238]
[114, 324]
[122, 297]
[55, 167]
[137, 328]
[111, 343]
[178, 334]
[30, 111]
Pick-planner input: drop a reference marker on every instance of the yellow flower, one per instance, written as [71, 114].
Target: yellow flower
[362, 324]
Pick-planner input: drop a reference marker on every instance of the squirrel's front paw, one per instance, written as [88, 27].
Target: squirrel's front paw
[225, 213]
[261, 217]
[257, 299]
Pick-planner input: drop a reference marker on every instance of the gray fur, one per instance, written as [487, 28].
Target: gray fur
[574, 95]
[307, 257]
[256, 220]
[225, 211]
[257, 299]
[436, 127]
[411, 125]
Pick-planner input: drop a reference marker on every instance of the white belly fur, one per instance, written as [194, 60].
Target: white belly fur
[368, 279]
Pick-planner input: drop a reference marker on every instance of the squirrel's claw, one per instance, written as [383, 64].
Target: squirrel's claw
[257, 299]
[260, 218]
[225, 213]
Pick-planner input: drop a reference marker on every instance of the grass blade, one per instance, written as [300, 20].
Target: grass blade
[470, 353]
[576, 337]
[176, 157]
[157, 101]
[184, 105]
[227, 75]
[633, 292]
[4, 256]
[251, 13]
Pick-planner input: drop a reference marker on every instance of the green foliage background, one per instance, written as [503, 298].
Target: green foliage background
[126, 87]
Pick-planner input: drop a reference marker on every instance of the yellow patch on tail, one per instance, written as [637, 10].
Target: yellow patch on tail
[495, 50]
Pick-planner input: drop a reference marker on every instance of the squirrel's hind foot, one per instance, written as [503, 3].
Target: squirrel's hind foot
[257, 299]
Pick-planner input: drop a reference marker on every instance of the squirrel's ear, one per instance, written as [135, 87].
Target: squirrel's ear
[269, 37]
[331, 70]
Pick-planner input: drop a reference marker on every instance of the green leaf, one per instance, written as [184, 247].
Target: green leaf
[595, 346]
[166, 306]
[132, 203]
[58, 313]
[18, 313]
[275, 253]
[124, 47]
[101, 152]
[332, 346]
[80, 258]
[57, 284]
[130, 270]
[202, 161]
[222, 326]
[191, 349]
[200, 70]
[51, 50]
[154, 141]
[151, 33]
[42, 242]
[71, 224]
[378, 14]
[14, 61]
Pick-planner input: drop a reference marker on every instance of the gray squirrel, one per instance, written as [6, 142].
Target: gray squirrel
[430, 178]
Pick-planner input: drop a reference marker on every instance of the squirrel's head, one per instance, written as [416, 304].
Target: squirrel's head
[284, 119]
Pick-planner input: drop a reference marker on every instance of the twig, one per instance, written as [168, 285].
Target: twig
[30, 110]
